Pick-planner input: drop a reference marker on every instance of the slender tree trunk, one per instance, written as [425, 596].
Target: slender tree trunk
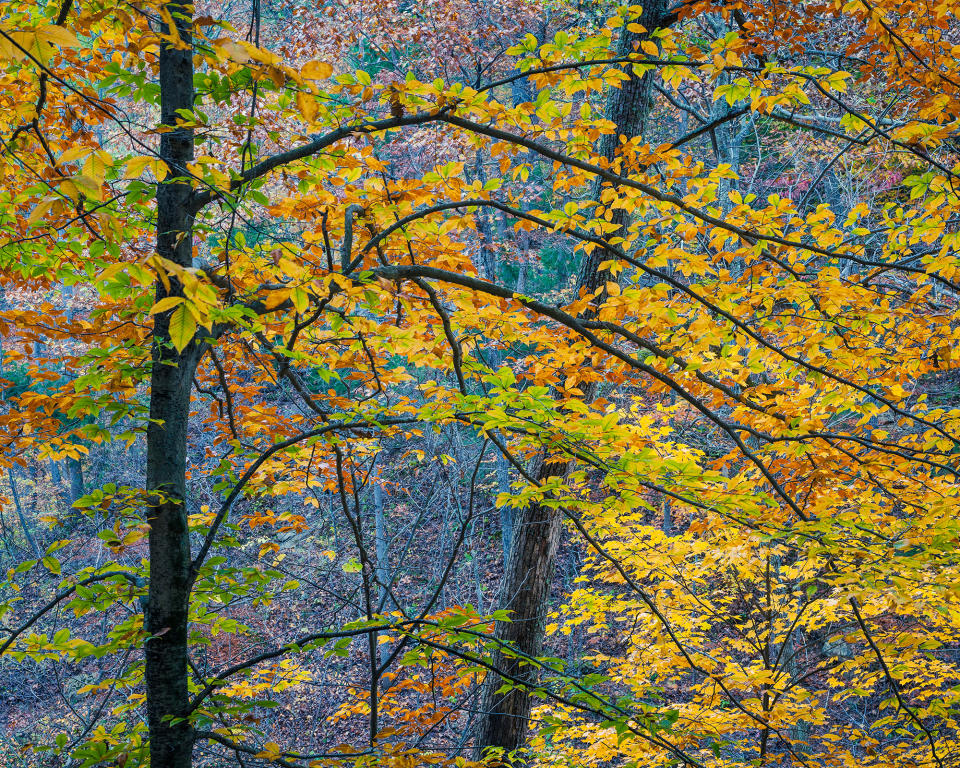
[506, 511]
[19, 507]
[537, 530]
[171, 743]
[382, 545]
[4, 532]
[75, 475]
[523, 91]
[486, 261]
[62, 494]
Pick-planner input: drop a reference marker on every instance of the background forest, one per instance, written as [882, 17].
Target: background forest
[462, 383]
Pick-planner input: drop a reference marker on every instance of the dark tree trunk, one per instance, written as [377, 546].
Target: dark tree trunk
[171, 743]
[537, 530]
[525, 591]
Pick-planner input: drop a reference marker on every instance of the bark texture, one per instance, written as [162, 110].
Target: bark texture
[166, 671]
[537, 530]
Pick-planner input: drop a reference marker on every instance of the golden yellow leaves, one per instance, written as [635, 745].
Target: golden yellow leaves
[93, 173]
[192, 309]
[209, 171]
[316, 70]
[306, 99]
[183, 326]
[57, 449]
[95, 167]
[49, 206]
[260, 60]
[72, 188]
[271, 750]
[308, 106]
[183, 321]
[136, 165]
[34, 44]
[649, 47]
[267, 64]
[242, 52]
[278, 677]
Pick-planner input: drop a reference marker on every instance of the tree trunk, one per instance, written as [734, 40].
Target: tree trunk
[62, 494]
[382, 545]
[525, 591]
[537, 530]
[19, 507]
[75, 475]
[486, 260]
[628, 108]
[171, 743]
[506, 511]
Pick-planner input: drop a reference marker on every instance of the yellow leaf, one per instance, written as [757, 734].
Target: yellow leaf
[95, 167]
[9, 51]
[307, 105]
[40, 210]
[271, 751]
[56, 35]
[89, 186]
[26, 111]
[25, 43]
[289, 267]
[73, 153]
[276, 298]
[183, 326]
[168, 302]
[316, 70]
[268, 547]
[135, 167]
[233, 51]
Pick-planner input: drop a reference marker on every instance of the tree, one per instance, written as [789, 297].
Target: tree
[538, 528]
[273, 304]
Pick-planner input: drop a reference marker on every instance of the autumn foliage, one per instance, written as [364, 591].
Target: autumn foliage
[295, 335]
